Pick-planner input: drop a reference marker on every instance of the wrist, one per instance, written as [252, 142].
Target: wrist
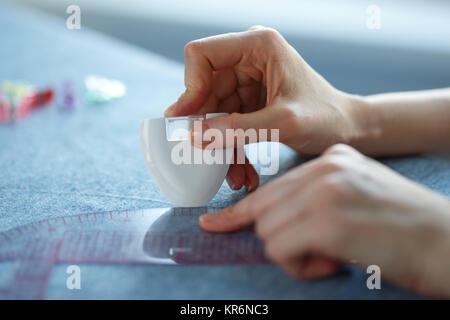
[365, 123]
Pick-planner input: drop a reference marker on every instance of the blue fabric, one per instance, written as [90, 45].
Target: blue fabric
[57, 163]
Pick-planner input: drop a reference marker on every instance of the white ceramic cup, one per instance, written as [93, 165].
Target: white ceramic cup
[185, 185]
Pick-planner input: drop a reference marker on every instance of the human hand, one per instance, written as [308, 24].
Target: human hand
[344, 206]
[263, 82]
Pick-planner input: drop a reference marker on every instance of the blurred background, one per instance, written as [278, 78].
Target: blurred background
[59, 163]
[359, 46]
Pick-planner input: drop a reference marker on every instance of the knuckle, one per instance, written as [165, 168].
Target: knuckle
[288, 118]
[335, 190]
[340, 149]
[192, 48]
[329, 164]
[330, 185]
[256, 27]
[288, 112]
[270, 34]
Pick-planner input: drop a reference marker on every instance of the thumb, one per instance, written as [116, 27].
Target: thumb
[237, 129]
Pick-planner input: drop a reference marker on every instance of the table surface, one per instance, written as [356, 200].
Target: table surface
[57, 163]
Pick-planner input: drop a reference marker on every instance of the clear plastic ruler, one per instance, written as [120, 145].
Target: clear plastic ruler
[166, 236]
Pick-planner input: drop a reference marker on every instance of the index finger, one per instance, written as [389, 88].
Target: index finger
[230, 218]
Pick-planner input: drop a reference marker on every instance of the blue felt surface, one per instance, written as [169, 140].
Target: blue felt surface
[56, 163]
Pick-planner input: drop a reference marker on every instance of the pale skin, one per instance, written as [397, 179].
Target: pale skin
[342, 206]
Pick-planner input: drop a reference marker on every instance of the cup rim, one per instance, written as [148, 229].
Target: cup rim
[204, 116]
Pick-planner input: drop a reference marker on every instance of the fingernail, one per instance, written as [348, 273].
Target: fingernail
[233, 187]
[249, 189]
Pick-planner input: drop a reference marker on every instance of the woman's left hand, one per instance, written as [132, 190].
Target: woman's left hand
[344, 207]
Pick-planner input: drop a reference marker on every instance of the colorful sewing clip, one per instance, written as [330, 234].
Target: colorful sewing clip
[68, 101]
[100, 90]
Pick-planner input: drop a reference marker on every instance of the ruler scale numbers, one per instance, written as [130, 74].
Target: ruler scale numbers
[169, 236]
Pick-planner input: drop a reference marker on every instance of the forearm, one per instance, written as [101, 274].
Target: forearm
[402, 123]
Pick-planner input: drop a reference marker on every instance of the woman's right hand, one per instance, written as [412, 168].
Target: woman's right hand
[263, 83]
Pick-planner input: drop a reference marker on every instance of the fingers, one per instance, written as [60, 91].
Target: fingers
[238, 129]
[295, 241]
[252, 96]
[236, 176]
[224, 83]
[226, 220]
[231, 218]
[238, 216]
[251, 177]
[209, 106]
[223, 97]
[242, 175]
[317, 267]
[282, 213]
[296, 250]
[275, 204]
[230, 104]
[310, 267]
[301, 216]
[251, 206]
[283, 227]
[290, 190]
[202, 57]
